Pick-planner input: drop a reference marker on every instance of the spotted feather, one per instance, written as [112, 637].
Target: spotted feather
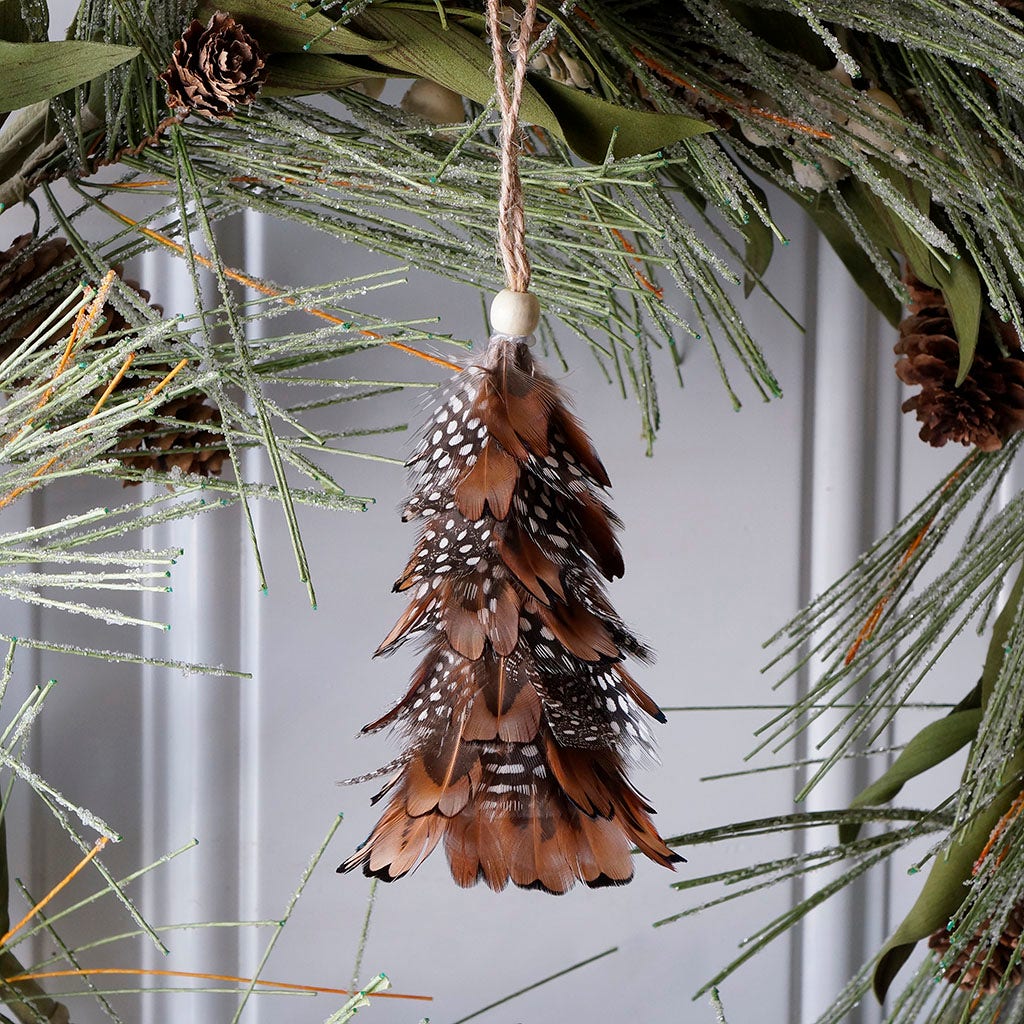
[521, 718]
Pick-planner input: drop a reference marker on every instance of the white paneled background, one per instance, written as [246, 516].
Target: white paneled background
[736, 520]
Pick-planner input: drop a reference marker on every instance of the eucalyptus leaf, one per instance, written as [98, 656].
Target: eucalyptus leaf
[301, 74]
[33, 72]
[835, 229]
[282, 29]
[451, 56]
[28, 1001]
[13, 27]
[588, 123]
[784, 31]
[760, 242]
[961, 288]
[889, 231]
[931, 746]
[943, 891]
[456, 58]
[960, 284]
[27, 138]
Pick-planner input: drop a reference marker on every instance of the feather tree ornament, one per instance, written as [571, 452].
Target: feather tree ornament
[521, 720]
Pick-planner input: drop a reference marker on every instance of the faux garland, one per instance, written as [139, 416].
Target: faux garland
[650, 131]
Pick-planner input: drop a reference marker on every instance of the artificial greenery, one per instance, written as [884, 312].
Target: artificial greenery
[899, 135]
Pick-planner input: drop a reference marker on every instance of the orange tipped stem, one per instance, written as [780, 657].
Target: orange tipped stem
[154, 391]
[113, 384]
[1011, 814]
[871, 622]
[263, 289]
[670, 76]
[204, 976]
[97, 846]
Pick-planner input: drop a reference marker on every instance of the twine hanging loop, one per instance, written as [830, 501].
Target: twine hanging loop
[511, 219]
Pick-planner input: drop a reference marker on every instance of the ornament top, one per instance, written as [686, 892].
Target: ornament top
[516, 314]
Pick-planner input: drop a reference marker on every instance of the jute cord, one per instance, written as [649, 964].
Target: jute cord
[511, 219]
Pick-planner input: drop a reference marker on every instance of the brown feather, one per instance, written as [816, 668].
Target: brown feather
[580, 445]
[491, 482]
[389, 717]
[397, 844]
[490, 408]
[596, 527]
[495, 841]
[506, 705]
[440, 781]
[462, 845]
[420, 836]
[639, 696]
[579, 632]
[531, 566]
[527, 397]
[522, 720]
[509, 600]
[529, 403]
[573, 770]
[610, 851]
[503, 619]
[464, 630]
[408, 621]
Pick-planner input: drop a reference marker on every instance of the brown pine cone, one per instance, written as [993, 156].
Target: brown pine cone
[214, 68]
[966, 969]
[21, 267]
[989, 405]
[199, 450]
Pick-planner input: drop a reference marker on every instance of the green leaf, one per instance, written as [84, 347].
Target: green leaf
[943, 892]
[931, 746]
[832, 225]
[13, 27]
[961, 288]
[456, 58]
[960, 285]
[27, 138]
[280, 29]
[784, 31]
[760, 242]
[588, 123]
[300, 74]
[452, 56]
[889, 231]
[39, 71]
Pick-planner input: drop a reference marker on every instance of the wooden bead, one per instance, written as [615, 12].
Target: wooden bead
[514, 313]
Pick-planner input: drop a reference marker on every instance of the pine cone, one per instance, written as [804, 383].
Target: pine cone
[21, 267]
[214, 68]
[989, 405]
[200, 451]
[966, 969]
[164, 447]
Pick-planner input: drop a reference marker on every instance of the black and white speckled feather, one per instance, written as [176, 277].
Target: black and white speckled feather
[521, 719]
